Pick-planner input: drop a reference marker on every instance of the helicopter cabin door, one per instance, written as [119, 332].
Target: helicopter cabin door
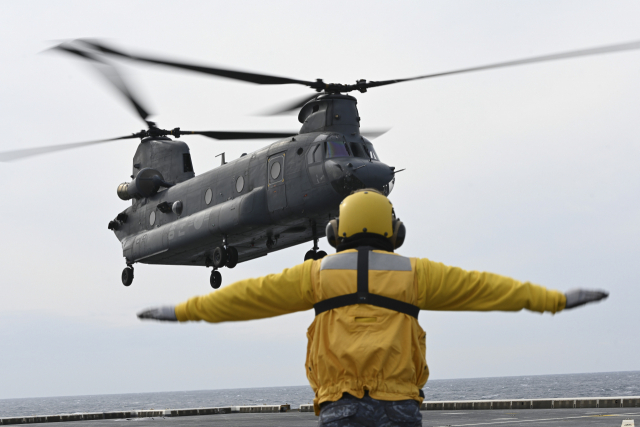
[276, 193]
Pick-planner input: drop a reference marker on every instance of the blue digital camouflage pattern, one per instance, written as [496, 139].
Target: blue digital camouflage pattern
[352, 412]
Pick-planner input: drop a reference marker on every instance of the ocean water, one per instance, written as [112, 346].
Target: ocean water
[532, 387]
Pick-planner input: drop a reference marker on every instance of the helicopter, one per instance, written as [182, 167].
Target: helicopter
[259, 203]
[276, 197]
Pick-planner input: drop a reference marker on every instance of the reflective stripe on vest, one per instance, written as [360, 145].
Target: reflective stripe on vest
[363, 261]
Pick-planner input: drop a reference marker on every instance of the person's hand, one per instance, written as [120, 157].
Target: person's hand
[578, 297]
[166, 313]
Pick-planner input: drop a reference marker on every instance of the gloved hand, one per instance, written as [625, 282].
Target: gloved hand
[165, 313]
[578, 297]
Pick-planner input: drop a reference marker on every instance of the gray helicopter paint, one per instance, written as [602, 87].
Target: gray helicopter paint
[165, 155]
[288, 208]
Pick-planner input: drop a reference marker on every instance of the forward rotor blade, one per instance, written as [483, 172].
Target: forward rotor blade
[224, 135]
[289, 106]
[111, 74]
[374, 133]
[262, 79]
[9, 156]
[361, 86]
[553, 57]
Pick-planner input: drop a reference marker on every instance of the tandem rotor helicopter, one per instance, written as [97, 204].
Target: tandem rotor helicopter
[279, 196]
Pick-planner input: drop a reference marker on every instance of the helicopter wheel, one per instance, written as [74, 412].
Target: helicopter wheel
[127, 276]
[320, 255]
[219, 257]
[232, 257]
[310, 255]
[216, 279]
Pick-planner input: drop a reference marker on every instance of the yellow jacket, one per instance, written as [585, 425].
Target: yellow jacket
[362, 347]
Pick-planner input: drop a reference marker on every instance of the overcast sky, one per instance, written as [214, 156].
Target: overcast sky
[530, 172]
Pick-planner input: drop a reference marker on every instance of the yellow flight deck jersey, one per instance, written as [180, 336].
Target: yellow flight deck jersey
[362, 347]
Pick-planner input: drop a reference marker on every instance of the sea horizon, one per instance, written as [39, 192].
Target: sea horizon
[597, 384]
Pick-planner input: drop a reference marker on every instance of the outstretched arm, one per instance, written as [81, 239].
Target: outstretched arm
[450, 288]
[258, 298]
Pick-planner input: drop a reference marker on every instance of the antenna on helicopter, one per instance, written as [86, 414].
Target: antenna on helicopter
[223, 161]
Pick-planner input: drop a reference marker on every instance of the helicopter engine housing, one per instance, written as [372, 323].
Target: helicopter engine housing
[145, 184]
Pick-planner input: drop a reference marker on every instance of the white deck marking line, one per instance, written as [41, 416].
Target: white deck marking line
[529, 421]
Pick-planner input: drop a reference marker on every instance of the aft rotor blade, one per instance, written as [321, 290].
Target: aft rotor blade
[262, 79]
[545, 58]
[287, 107]
[9, 156]
[111, 74]
[228, 135]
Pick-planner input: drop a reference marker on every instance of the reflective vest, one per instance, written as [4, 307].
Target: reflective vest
[366, 335]
[362, 262]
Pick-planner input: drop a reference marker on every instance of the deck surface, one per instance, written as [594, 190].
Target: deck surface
[525, 418]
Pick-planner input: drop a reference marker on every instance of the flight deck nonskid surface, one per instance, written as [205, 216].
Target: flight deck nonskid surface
[528, 418]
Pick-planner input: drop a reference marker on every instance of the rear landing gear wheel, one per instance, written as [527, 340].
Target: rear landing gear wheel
[216, 279]
[127, 276]
[313, 254]
[219, 257]
[232, 257]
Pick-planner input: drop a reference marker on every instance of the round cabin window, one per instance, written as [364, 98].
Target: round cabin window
[275, 170]
[152, 217]
[208, 196]
[239, 184]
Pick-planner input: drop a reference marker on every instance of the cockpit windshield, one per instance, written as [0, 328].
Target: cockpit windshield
[336, 148]
[364, 151]
[371, 152]
[358, 150]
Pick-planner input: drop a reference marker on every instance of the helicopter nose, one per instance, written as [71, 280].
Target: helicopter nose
[349, 175]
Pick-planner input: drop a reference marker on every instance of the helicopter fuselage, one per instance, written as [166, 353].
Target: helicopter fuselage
[276, 197]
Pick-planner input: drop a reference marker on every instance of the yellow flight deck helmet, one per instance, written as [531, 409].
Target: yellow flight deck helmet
[366, 212]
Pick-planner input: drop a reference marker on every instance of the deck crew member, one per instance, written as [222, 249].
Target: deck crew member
[366, 357]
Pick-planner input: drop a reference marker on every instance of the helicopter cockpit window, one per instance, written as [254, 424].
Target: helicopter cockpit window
[359, 150]
[315, 154]
[372, 152]
[336, 148]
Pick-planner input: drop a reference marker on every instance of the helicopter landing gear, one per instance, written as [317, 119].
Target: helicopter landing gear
[270, 243]
[127, 275]
[219, 257]
[216, 279]
[223, 256]
[232, 257]
[314, 253]
[310, 255]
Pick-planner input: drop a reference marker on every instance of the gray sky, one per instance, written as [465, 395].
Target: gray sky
[530, 172]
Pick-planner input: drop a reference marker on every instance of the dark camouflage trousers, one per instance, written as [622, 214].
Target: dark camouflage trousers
[367, 412]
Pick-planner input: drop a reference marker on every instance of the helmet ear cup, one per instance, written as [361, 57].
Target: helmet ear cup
[332, 232]
[399, 233]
